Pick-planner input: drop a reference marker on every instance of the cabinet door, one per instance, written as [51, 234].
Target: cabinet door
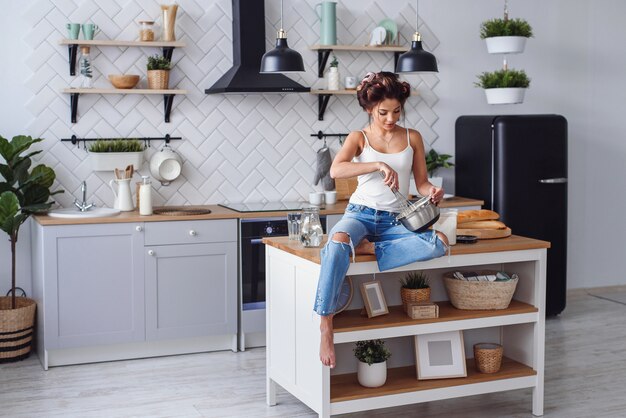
[191, 290]
[94, 288]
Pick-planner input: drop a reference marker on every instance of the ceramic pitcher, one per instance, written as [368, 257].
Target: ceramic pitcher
[327, 12]
[123, 196]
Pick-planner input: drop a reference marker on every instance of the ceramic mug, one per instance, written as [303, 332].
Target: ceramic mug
[73, 29]
[350, 82]
[330, 197]
[316, 198]
[89, 31]
[166, 165]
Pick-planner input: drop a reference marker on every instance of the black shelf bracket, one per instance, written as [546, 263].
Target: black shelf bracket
[322, 102]
[396, 55]
[168, 99]
[72, 51]
[322, 59]
[167, 52]
[74, 105]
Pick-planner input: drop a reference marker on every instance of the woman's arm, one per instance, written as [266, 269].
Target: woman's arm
[343, 166]
[424, 187]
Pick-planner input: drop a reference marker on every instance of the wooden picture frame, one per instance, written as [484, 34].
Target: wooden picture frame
[440, 355]
[374, 298]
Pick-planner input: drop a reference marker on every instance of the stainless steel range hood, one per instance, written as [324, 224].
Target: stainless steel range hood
[248, 48]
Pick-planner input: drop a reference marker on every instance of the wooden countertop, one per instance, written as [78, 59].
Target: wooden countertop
[219, 212]
[512, 243]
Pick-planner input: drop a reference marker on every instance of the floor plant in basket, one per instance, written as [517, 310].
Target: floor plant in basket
[415, 288]
[23, 192]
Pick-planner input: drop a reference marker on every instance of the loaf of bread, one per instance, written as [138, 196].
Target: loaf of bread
[482, 225]
[476, 215]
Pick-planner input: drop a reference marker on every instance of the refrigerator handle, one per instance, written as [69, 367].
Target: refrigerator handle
[554, 180]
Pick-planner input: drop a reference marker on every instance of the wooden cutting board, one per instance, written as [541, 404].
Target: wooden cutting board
[485, 233]
[345, 187]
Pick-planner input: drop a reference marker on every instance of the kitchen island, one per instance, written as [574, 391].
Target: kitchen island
[293, 335]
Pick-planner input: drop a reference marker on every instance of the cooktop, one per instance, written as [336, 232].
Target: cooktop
[267, 206]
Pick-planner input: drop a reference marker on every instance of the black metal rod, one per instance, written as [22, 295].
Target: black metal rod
[322, 58]
[167, 52]
[321, 135]
[74, 139]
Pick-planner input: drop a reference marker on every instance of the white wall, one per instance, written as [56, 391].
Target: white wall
[575, 67]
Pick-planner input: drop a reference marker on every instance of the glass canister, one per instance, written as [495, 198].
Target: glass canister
[146, 30]
[311, 232]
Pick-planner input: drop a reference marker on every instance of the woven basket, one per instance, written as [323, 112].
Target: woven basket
[479, 295]
[16, 328]
[158, 79]
[488, 357]
[414, 295]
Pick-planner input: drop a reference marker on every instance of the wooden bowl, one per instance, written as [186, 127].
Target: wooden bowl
[124, 81]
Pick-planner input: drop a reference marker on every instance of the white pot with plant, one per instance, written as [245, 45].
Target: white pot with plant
[333, 74]
[109, 154]
[506, 86]
[415, 288]
[372, 368]
[158, 72]
[23, 192]
[435, 161]
[505, 36]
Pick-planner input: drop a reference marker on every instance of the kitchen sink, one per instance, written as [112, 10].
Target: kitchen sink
[73, 213]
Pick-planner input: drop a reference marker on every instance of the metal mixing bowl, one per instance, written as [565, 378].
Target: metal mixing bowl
[425, 214]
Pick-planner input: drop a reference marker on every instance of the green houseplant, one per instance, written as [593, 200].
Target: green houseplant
[506, 86]
[372, 368]
[109, 154]
[434, 161]
[333, 74]
[415, 288]
[505, 36]
[158, 72]
[23, 192]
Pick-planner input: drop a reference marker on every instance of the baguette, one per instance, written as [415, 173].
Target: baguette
[483, 225]
[476, 215]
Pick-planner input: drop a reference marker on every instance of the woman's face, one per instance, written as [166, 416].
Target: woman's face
[386, 114]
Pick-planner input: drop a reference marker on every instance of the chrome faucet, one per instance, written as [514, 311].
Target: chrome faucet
[83, 206]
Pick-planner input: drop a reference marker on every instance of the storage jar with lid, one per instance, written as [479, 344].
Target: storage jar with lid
[311, 232]
[146, 30]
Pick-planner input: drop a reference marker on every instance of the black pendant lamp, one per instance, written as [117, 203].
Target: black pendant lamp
[416, 59]
[281, 59]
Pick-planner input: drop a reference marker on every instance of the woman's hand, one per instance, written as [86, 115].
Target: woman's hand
[436, 194]
[391, 176]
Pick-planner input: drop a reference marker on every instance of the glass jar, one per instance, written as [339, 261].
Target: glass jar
[86, 71]
[311, 232]
[146, 30]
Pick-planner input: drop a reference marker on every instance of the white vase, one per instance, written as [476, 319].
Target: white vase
[505, 95]
[333, 78]
[506, 44]
[109, 161]
[372, 376]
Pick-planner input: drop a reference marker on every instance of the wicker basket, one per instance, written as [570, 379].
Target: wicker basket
[158, 79]
[488, 357]
[16, 328]
[414, 295]
[479, 295]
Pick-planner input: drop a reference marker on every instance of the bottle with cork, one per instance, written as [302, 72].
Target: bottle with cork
[145, 196]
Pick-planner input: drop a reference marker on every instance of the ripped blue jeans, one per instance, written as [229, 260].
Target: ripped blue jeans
[394, 245]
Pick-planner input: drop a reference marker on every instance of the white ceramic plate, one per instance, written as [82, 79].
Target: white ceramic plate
[378, 36]
[391, 27]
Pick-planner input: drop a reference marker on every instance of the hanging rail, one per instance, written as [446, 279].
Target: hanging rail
[76, 141]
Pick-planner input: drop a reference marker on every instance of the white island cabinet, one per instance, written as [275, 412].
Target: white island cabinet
[114, 291]
[293, 330]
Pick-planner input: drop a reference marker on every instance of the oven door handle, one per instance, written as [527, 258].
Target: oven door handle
[256, 241]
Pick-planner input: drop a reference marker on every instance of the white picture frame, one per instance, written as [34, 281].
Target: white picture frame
[374, 298]
[440, 355]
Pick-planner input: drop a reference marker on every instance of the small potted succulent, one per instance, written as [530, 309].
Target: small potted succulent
[333, 74]
[505, 36]
[109, 154]
[506, 86]
[415, 288]
[158, 72]
[372, 368]
[435, 161]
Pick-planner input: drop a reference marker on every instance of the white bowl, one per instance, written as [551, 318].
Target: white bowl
[166, 165]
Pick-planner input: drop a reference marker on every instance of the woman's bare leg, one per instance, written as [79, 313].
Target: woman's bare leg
[365, 247]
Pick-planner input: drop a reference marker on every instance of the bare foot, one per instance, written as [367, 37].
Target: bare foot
[327, 346]
[365, 248]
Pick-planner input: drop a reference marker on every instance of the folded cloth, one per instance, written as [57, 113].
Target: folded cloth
[473, 276]
[322, 172]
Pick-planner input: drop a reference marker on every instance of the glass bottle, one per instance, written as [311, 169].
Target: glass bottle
[311, 232]
[146, 31]
[145, 196]
[86, 70]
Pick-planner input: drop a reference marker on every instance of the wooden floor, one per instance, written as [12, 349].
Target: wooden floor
[585, 377]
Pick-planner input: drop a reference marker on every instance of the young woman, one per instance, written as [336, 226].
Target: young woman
[369, 223]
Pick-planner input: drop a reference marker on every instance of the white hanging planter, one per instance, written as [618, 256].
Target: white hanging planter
[505, 95]
[108, 161]
[506, 44]
[372, 376]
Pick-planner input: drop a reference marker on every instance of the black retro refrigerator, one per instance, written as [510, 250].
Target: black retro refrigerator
[517, 164]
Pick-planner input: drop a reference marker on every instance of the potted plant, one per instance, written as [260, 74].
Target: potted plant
[372, 356]
[23, 191]
[333, 74]
[505, 36]
[158, 72]
[435, 161]
[109, 154]
[415, 288]
[506, 86]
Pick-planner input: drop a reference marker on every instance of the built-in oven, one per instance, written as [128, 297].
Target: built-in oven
[252, 273]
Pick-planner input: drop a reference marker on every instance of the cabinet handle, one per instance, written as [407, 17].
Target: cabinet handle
[150, 252]
[138, 228]
[193, 233]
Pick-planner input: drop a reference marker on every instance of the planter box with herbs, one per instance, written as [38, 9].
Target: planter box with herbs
[109, 154]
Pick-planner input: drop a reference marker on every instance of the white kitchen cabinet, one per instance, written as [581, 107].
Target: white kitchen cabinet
[191, 289]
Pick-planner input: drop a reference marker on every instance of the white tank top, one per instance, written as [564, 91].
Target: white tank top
[371, 190]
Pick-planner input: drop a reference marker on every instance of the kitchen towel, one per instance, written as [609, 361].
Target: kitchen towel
[322, 172]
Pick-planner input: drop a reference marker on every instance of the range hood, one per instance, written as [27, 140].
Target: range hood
[248, 49]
